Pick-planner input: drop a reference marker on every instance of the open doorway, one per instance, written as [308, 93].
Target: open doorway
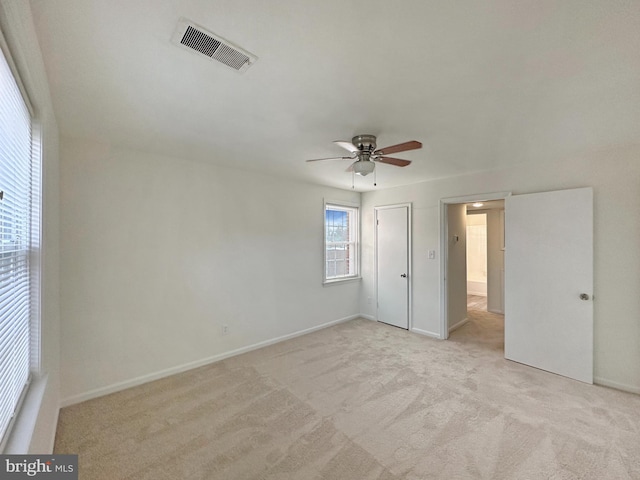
[473, 266]
[485, 276]
[546, 284]
[485, 254]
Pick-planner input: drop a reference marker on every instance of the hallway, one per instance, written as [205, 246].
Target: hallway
[484, 329]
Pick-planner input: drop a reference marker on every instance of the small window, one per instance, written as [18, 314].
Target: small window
[340, 242]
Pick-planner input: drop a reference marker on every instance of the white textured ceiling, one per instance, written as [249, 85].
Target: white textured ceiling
[481, 84]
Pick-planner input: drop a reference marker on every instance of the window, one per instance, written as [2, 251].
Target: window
[340, 242]
[19, 246]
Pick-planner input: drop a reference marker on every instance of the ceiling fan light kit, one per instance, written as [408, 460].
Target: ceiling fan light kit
[363, 151]
[363, 167]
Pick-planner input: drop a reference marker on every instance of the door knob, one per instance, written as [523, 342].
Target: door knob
[584, 296]
[404, 275]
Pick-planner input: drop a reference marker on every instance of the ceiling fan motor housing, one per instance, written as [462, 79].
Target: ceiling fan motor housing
[365, 143]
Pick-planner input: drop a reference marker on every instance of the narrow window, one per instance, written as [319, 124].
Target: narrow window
[19, 246]
[340, 242]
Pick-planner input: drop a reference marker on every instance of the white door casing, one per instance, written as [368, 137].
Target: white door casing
[392, 254]
[548, 266]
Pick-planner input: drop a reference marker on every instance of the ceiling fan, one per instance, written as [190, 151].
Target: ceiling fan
[363, 151]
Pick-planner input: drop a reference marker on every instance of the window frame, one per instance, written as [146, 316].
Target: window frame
[354, 211]
[17, 434]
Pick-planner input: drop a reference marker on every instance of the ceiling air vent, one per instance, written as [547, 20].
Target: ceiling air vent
[193, 37]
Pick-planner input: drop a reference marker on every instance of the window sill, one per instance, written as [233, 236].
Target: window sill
[25, 422]
[338, 281]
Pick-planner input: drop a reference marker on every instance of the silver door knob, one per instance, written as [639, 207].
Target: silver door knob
[404, 275]
[584, 296]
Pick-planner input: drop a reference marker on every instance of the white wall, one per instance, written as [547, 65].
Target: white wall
[457, 265]
[158, 253]
[17, 27]
[615, 175]
[495, 261]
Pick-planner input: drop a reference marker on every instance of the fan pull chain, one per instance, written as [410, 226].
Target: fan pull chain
[375, 178]
[353, 180]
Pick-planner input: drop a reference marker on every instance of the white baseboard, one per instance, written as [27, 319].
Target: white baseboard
[618, 386]
[458, 325]
[368, 317]
[495, 310]
[134, 382]
[425, 333]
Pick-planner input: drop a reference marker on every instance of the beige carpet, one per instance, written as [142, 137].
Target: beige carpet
[361, 400]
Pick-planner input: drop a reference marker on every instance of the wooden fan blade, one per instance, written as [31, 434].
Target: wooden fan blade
[401, 147]
[330, 158]
[393, 161]
[347, 146]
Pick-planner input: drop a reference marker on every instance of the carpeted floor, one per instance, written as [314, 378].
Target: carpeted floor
[357, 401]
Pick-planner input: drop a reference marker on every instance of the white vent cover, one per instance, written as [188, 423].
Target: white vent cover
[194, 38]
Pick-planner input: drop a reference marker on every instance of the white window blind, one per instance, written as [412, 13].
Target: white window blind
[19, 184]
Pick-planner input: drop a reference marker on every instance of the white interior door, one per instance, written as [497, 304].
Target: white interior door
[392, 260]
[549, 281]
